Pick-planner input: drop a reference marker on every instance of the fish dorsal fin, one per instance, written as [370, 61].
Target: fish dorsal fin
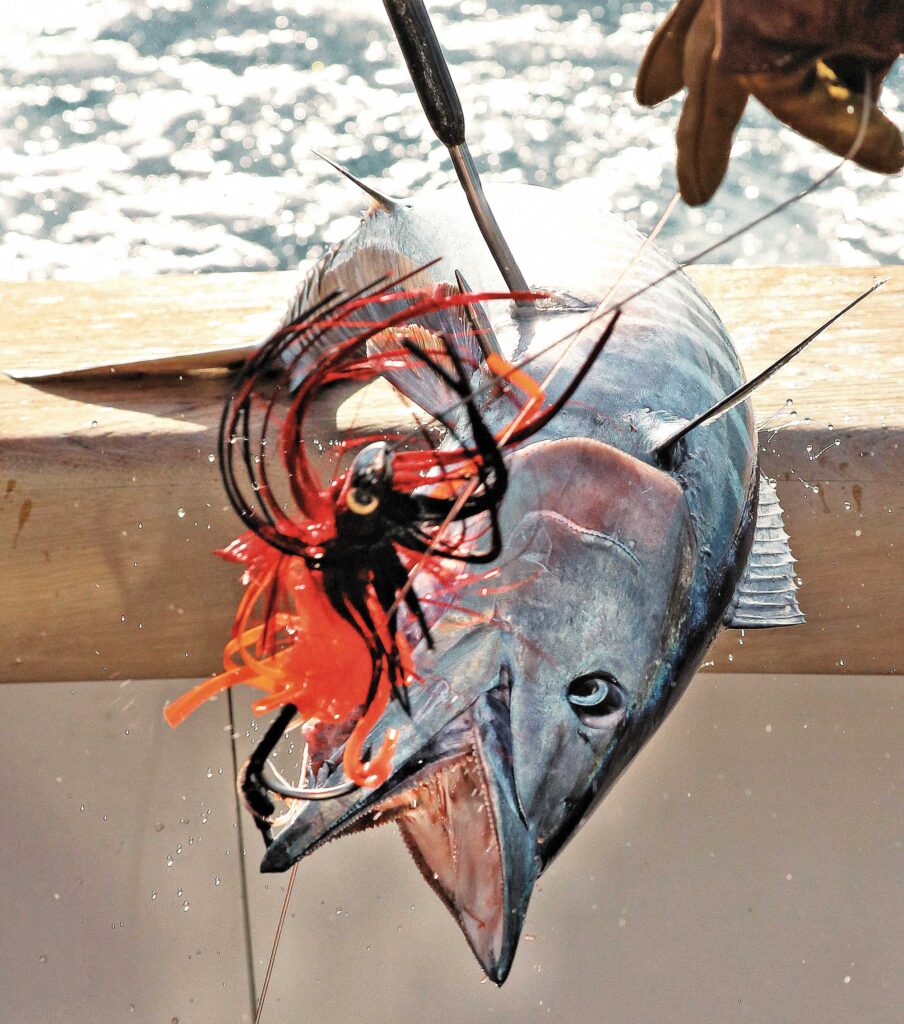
[387, 202]
[766, 594]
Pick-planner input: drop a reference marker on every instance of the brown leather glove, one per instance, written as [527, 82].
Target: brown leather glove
[804, 60]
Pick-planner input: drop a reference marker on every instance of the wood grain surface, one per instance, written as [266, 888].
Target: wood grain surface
[111, 504]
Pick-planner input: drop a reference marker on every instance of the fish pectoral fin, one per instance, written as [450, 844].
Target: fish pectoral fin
[426, 375]
[767, 593]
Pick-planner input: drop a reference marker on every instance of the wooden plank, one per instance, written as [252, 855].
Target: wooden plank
[839, 462]
[110, 502]
[48, 325]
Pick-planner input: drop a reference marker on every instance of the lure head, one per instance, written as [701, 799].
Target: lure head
[547, 675]
[369, 478]
[366, 485]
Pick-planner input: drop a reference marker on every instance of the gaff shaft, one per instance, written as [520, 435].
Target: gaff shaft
[439, 99]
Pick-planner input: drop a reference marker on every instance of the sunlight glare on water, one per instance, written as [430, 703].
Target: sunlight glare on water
[170, 135]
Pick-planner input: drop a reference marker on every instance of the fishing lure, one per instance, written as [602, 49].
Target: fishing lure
[318, 626]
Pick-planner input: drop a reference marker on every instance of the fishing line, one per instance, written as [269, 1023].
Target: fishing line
[657, 227]
[243, 881]
[598, 314]
[258, 1011]
[279, 928]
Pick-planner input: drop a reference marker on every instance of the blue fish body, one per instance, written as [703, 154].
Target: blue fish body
[617, 568]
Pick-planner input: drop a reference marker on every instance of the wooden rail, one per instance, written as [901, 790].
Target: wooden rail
[110, 501]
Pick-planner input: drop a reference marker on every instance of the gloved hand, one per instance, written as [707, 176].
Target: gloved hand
[804, 60]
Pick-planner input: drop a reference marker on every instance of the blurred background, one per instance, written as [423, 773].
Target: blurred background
[176, 135]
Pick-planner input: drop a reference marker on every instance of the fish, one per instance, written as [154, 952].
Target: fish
[635, 524]
[629, 540]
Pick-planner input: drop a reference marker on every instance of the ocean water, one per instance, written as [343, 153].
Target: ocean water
[178, 135]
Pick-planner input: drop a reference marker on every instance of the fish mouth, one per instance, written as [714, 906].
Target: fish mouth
[456, 807]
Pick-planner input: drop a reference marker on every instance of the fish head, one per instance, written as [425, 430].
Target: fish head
[594, 632]
[546, 674]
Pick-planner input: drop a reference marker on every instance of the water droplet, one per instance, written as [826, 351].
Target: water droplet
[211, 457]
[210, 773]
[154, 894]
[169, 860]
[847, 506]
[216, 881]
[185, 906]
[42, 959]
[180, 512]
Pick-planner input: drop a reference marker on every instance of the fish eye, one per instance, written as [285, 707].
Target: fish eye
[595, 695]
[362, 502]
